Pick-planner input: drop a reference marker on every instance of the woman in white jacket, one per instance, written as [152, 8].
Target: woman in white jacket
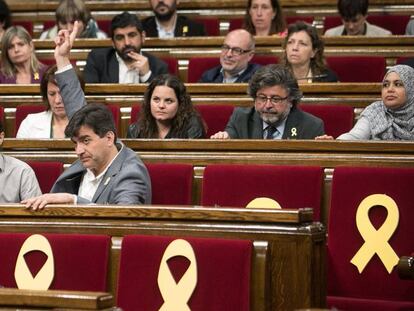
[52, 122]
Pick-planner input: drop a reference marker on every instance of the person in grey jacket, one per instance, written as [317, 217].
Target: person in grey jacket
[275, 114]
[392, 117]
[107, 172]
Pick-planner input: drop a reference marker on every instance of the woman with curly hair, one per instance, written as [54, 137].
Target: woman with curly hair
[167, 112]
[303, 54]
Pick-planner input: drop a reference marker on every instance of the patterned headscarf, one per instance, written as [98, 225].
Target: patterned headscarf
[394, 124]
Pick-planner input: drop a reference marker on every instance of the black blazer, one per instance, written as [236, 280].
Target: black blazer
[184, 27]
[214, 75]
[246, 123]
[103, 67]
[327, 76]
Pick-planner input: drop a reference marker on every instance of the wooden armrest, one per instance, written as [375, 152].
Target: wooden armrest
[77, 300]
[405, 268]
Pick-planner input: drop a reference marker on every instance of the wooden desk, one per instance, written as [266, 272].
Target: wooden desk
[199, 153]
[17, 299]
[296, 275]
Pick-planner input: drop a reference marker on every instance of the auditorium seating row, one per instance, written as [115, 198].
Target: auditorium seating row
[215, 27]
[219, 16]
[363, 200]
[265, 279]
[199, 154]
[337, 119]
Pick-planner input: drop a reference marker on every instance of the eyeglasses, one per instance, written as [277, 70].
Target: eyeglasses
[262, 99]
[236, 51]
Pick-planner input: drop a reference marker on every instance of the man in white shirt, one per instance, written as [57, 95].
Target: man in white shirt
[124, 62]
[107, 172]
[17, 179]
[354, 19]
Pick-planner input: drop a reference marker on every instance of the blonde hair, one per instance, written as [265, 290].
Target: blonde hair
[7, 67]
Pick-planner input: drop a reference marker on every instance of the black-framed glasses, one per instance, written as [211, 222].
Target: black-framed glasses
[262, 99]
[235, 50]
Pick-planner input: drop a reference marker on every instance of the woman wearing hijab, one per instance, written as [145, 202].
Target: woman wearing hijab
[391, 118]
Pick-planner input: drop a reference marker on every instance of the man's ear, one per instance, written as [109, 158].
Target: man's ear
[110, 136]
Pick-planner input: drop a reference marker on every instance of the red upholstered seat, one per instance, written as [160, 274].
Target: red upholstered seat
[394, 23]
[215, 116]
[374, 288]
[172, 63]
[28, 25]
[46, 173]
[237, 185]
[197, 66]
[211, 25]
[104, 25]
[265, 59]
[331, 22]
[223, 273]
[337, 119]
[171, 183]
[23, 110]
[81, 261]
[2, 116]
[116, 114]
[358, 68]
[236, 23]
[134, 113]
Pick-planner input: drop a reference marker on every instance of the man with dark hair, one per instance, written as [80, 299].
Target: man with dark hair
[124, 62]
[236, 53]
[275, 114]
[354, 15]
[107, 172]
[17, 179]
[168, 24]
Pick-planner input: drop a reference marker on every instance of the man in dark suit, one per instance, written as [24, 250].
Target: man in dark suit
[275, 114]
[124, 62]
[168, 24]
[236, 54]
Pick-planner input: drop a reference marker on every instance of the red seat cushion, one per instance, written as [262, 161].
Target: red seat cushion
[171, 184]
[350, 185]
[197, 66]
[211, 25]
[215, 116]
[223, 273]
[337, 119]
[172, 63]
[46, 173]
[237, 185]
[81, 261]
[358, 68]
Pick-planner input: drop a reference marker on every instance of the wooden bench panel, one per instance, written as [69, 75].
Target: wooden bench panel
[296, 246]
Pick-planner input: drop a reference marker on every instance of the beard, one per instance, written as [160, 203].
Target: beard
[124, 52]
[272, 117]
[165, 16]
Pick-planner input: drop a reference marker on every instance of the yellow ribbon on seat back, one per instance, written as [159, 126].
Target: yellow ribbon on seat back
[376, 241]
[177, 295]
[23, 276]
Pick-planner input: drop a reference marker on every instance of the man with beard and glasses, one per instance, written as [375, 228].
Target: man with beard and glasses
[275, 114]
[168, 24]
[236, 54]
[124, 62]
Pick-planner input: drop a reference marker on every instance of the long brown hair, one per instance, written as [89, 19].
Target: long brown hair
[179, 124]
